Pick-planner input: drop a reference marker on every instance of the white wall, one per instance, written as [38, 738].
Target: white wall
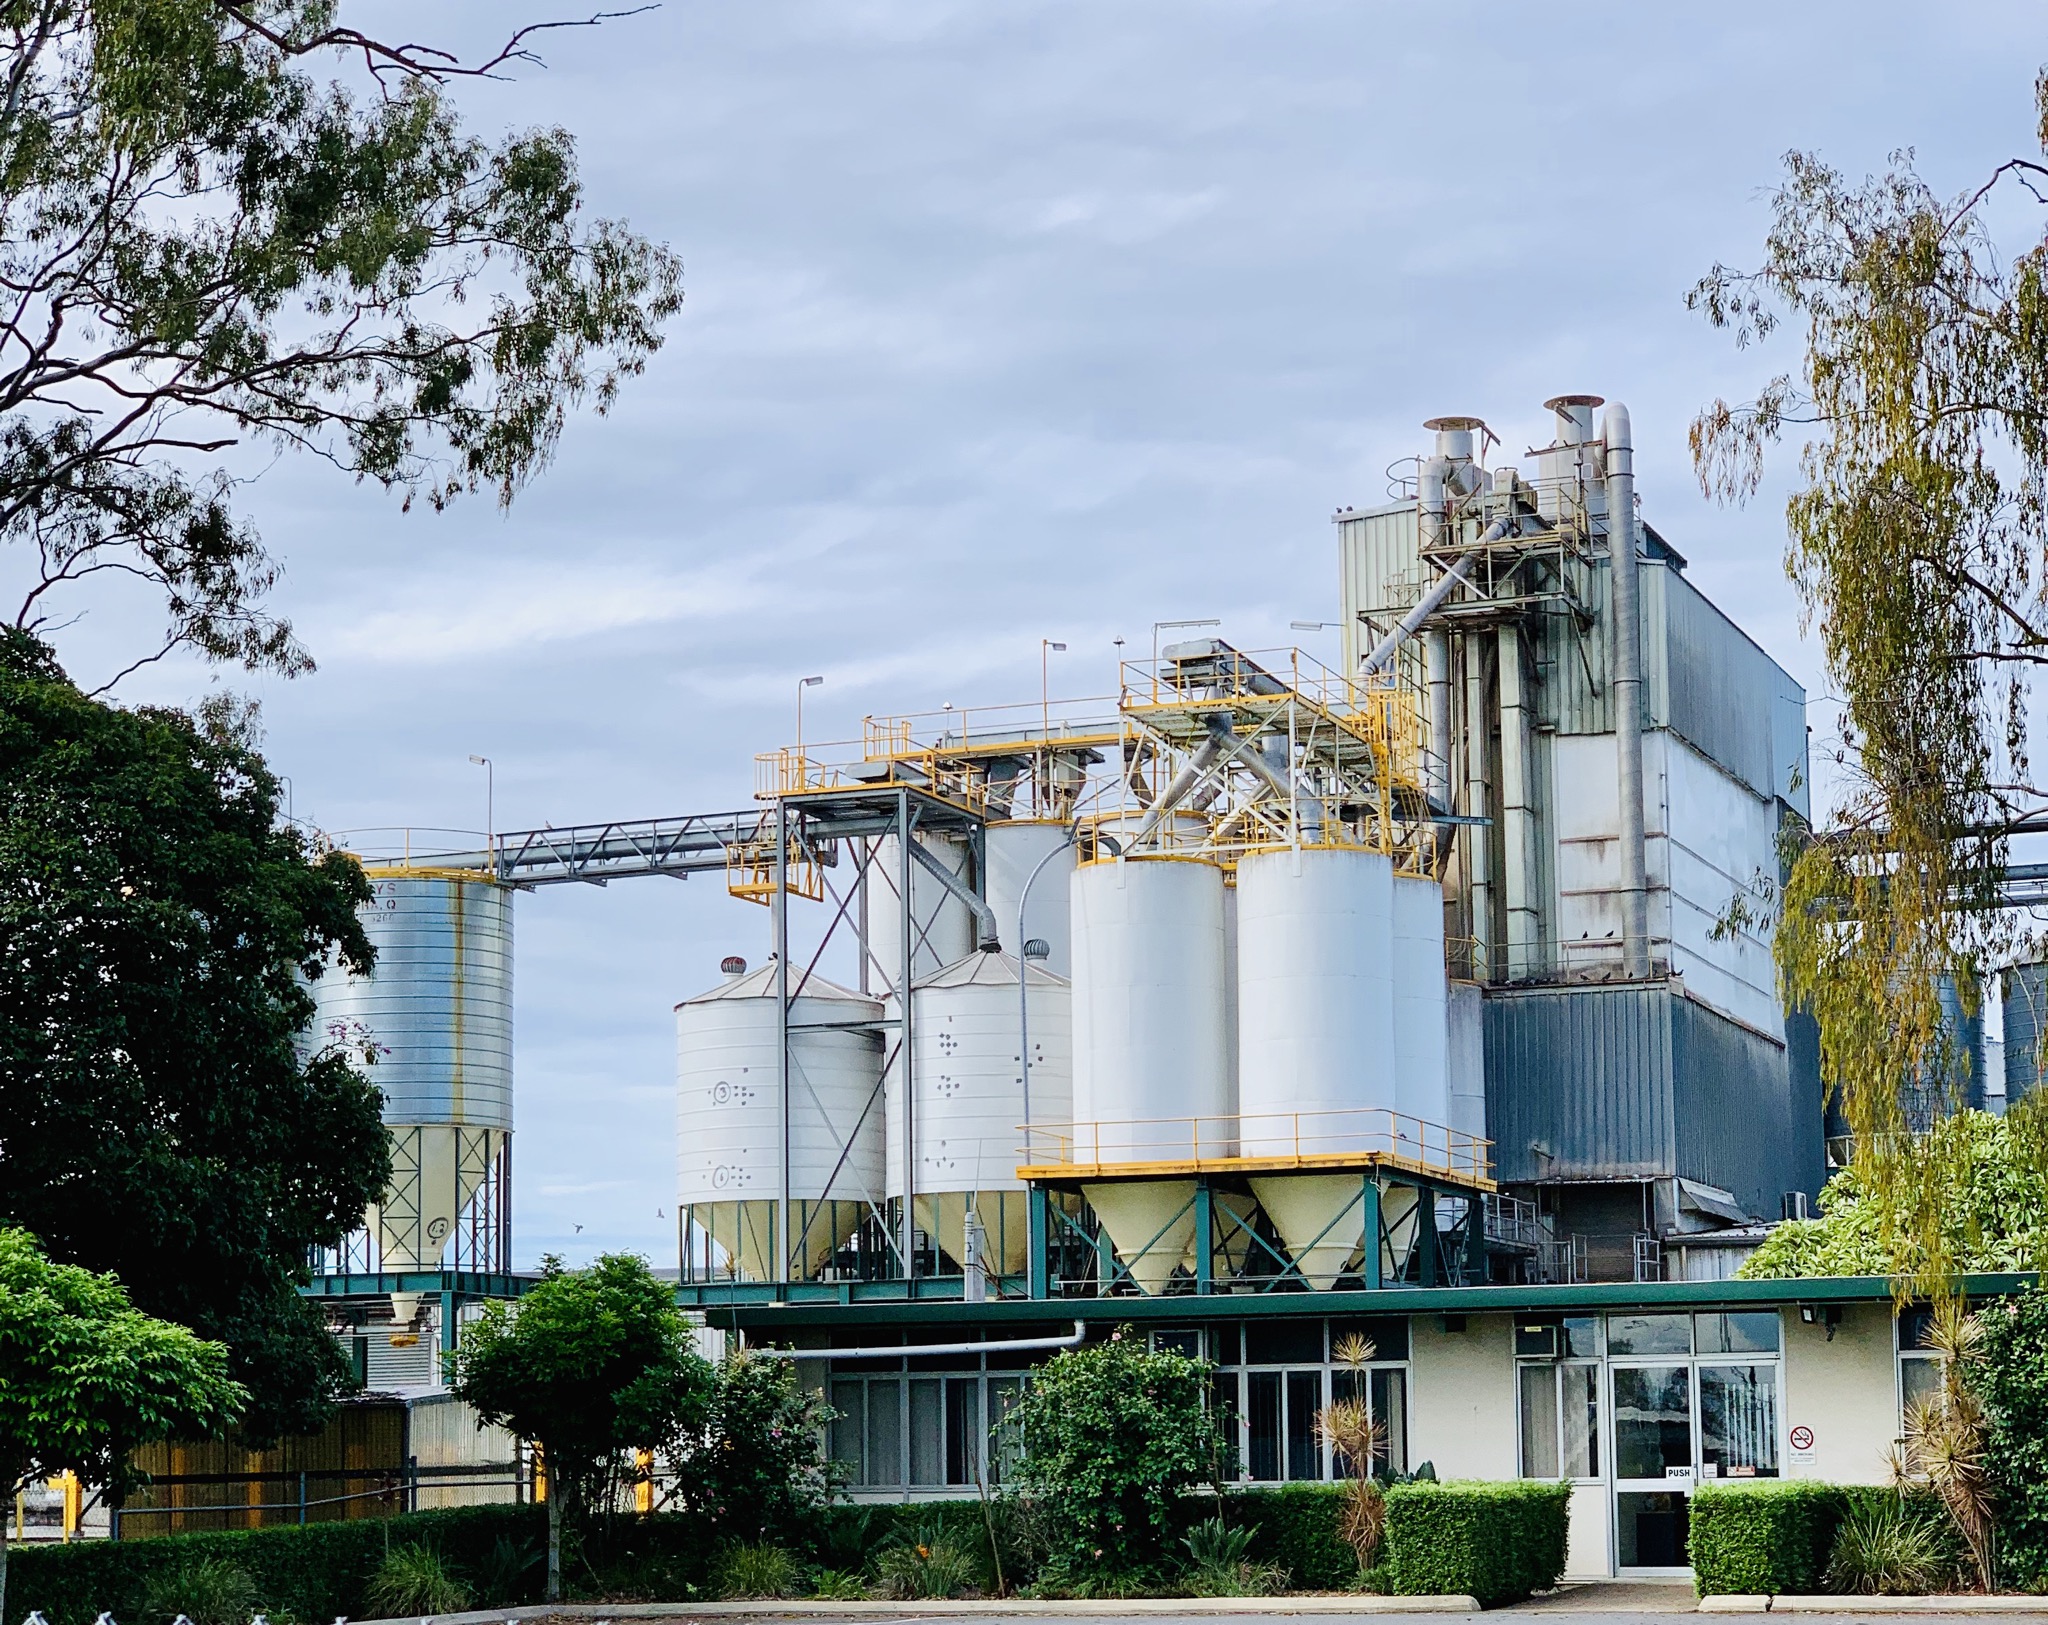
[1588, 1554]
[1462, 1413]
[443, 1432]
[1706, 837]
[1846, 1391]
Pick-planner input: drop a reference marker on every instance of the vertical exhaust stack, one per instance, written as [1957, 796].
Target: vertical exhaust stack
[1628, 689]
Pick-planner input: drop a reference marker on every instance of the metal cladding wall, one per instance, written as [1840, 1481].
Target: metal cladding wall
[1641, 1082]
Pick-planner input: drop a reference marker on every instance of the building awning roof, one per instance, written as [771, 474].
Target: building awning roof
[1602, 1297]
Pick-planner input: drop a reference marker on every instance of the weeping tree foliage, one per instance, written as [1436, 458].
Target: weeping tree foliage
[1916, 541]
[245, 223]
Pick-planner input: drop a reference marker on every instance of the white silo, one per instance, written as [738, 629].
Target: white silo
[1316, 1044]
[436, 1012]
[1015, 849]
[729, 1120]
[1421, 1007]
[942, 927]
[970, 1100]
[1151, 1064]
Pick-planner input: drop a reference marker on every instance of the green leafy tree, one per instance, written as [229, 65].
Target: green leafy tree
[589, 1365]
[1917, 538]
[157, 1117]
[85, 1376]
[1114, 1436]
[2009, 1374]
[1992, 1212]
[758, 1469]
[210, 237]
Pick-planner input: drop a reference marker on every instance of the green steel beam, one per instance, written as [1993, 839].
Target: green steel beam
[462, 1283]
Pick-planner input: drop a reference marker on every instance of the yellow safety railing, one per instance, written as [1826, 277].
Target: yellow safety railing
[1305, 1139]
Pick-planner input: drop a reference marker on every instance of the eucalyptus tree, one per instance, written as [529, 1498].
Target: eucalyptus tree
[1918, 540]
[244, 223]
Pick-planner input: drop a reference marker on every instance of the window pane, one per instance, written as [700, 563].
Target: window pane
[1390, 1405]
[1649, 1334]
[1582, 1336]
[1652, 1420]
[847, 1427]
[1283, 1342]
[1739, 1421]
[1749, 1333]
[1919, 1379]
[1228, 1417]
[1262, 1417]
[963, 1428]
[1304, 1399]
[1913, 1326]
[1003, 1394]
[884, 1461]
[1388, 1335]
[1579, 1409]
[1652, 1529]
[1539, 1421]
[927, 1431]
[1182, 1340]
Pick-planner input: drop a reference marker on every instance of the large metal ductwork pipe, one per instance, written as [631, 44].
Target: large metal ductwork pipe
[1628, 689]
[1445, 585]
[987, 935]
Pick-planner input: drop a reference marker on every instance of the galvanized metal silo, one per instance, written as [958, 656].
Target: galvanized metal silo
[2026, 1016]
[730, 1123]
[436, 1013]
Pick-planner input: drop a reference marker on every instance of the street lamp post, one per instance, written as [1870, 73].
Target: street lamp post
[1046, 650]
[802, 683]
[490, 807]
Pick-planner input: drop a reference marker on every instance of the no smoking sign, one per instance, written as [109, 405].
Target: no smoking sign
[1801, 1439]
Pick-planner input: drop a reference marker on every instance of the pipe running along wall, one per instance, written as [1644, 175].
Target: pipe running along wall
[1628, 689]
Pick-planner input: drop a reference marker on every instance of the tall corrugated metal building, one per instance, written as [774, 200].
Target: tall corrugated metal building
[1638, 1108]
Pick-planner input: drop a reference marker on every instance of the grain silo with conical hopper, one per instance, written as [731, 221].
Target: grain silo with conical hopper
[733, 1137]
[1151, 1062]
[965, 1027]
[435, 1013]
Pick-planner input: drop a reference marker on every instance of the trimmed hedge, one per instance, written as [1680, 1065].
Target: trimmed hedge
[319, 1571]
[1777, 1537]
[1495, 1542]
[1763, 1538]
[1296, 1527]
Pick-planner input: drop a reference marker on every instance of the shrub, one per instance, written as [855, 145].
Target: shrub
[762, 1472]
[1299, 1528]
[1115, 1436]
[2010, 1377]
[208, 1591]
[509, 1572]
[1495, 1542]
[837, 1585]
[927, 1566]
[413, 1581]
[756, 1572]
[1763, 1538]
[309, 1572]
[1220, 1563]
[1888, 1547]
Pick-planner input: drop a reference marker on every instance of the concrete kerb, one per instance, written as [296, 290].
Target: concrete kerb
[1753, 1604]
[1179, 1607]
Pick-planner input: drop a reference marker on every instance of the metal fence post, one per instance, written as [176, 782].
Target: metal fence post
[302, 1498]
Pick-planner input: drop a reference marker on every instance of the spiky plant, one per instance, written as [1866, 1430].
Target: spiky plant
[1355, 1434]
[1945, 1438]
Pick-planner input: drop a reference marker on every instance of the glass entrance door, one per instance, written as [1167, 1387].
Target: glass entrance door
[1653, 1407]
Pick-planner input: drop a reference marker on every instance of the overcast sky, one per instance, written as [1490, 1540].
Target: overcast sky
[1012, 320]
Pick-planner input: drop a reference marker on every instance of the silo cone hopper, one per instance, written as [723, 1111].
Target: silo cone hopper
[1150, 1222]
[436, 1168]
[1231, 1247]
[1310, 1212]
[1005, 1230]
[1400, 1209]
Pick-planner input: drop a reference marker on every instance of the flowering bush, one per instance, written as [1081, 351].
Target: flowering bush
[1113, 1437]
[759, 1473]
